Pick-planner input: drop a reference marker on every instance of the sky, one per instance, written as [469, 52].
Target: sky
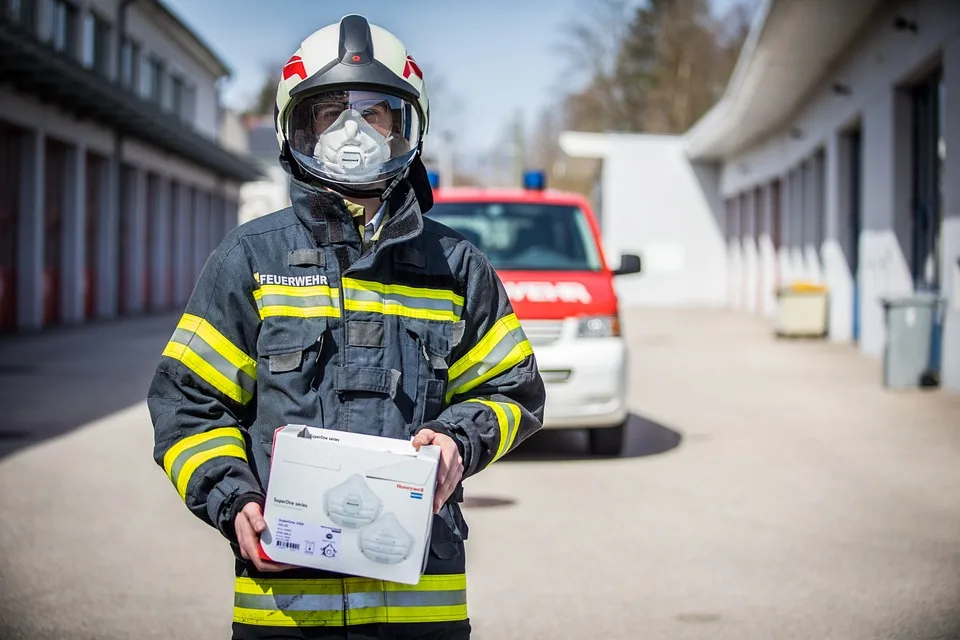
[484, 60]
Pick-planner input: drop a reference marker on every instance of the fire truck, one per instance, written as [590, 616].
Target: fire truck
[546, 247]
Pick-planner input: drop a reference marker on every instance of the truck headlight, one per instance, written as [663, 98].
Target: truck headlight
[599, 327]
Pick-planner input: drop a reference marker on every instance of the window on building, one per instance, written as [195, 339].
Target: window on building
[96, 54]
[65, 26]
[928, 155]
[24, 12]
[176, 95]
[190, 108]
[129, 63]
[153, 79]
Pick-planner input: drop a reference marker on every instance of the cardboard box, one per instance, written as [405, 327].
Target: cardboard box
[350, 503]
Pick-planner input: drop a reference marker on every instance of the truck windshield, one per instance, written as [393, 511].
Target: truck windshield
[524, 236]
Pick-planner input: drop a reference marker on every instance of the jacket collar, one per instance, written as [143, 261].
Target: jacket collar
[326, 214]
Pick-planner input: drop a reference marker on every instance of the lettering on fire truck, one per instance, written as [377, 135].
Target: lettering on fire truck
[548, 292]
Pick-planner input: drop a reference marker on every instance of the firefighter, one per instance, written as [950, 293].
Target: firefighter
[349, 310]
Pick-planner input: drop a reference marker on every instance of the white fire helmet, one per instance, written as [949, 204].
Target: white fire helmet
[352, 107]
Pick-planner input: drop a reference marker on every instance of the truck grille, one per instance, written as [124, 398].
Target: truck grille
[541, 332]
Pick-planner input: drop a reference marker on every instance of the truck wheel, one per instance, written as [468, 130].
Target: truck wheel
[606, 441]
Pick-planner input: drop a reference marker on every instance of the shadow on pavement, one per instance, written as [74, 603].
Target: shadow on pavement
[642, 437]
[54, 381]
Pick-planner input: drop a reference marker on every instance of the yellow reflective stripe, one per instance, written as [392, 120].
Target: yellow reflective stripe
[288, 587]
[485, 345]
[233, 354]
[371, 615]
[230, 450]
[295, 292]
[300, 312]
[284, 300]
[491, 356]
[333, 593]
[207, 372]
[437, 582]
[180, 474]
[392, 308]
[509, 424]
[401, 300]
[402, 290]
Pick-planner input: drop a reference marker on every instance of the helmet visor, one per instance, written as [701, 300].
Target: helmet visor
[353, 137]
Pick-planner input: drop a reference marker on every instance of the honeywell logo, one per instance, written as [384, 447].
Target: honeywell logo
[407, 487]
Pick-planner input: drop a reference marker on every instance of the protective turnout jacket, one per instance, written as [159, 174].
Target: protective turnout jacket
[292, 321]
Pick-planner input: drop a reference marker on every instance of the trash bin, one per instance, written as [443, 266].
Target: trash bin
[802, 310]
[911, 356]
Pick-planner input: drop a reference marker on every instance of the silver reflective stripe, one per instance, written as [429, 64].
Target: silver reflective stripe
[432, 304]
[279, 300]
[373, 599]
[507, 344]
[303, 602]
[186, 454]
[212, 357]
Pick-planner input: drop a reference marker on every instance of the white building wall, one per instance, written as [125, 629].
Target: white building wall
[155, 40]
[657, 204]
[883, 60]
[768, 257]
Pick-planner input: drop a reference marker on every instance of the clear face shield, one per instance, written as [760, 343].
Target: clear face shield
[355, 138]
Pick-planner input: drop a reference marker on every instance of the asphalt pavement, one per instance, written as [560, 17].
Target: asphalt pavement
[768, 489]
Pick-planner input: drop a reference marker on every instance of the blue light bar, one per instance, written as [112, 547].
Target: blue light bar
[434, 178]
[534, 180]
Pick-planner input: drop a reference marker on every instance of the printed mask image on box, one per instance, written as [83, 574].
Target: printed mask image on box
[385, 541]
[352, 504]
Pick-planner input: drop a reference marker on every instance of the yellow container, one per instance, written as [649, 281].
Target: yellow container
[802, 310]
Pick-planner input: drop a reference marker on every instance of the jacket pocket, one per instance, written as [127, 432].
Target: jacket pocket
[283, 341]
[289, 368]
[433, 342]
[448, 533]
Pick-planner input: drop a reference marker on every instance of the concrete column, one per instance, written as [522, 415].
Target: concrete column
[30, 231]
[768, 255]
[885, 242]
[811, 214]
[183, 245]
[160, 222]
[749, 234]
[735, 252]
[108, 236]
[836, 270]
[797, 262]
[201, 233]
[74, 232]
[784, 253]
[950, 232]
[137, 239]
[213, 223]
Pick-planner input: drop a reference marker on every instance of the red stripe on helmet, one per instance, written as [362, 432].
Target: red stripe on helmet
[294, 67]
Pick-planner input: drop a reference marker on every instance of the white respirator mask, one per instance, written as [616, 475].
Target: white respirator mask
[353, 148]
[386, 541]
[352, 504]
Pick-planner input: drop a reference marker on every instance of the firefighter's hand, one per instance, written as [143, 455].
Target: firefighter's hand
[451, 464]
[249, 524]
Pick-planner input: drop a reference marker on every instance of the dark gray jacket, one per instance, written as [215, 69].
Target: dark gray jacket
[292, 322]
